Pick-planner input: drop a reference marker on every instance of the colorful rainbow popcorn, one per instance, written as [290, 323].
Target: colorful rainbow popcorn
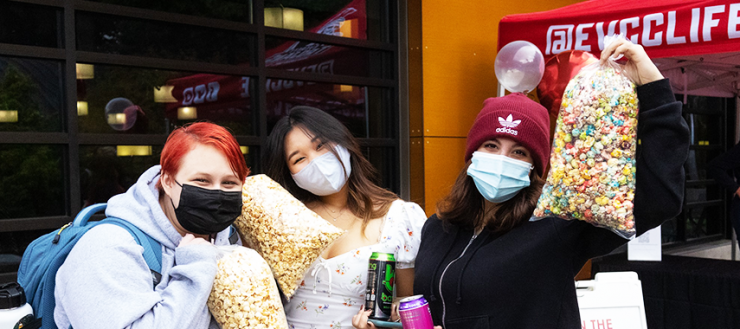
[592, 161]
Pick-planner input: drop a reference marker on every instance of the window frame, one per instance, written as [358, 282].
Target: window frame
[69, 56]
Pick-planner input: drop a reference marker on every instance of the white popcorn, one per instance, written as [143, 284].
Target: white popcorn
[289, 236]
[244, 293]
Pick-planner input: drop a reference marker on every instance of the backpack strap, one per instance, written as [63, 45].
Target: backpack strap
[152, 249]
[84, 215]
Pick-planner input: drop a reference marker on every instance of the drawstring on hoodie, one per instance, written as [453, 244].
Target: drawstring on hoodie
[441, 277]
[483, 235]
[432, 296]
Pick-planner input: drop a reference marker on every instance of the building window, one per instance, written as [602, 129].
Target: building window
[706, 205]
[90, 90]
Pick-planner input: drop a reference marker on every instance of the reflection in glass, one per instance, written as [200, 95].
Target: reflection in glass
[85, 71]
[703, 221]
[31, 95]
[163, 94]
[187, 113]
[669, 230]
[111, 169]
[385, 162]
[363, 110]
[133, 150]
[81, 108]
[321, 58]
[251, 157]
[704, 213]
[705, 129]
[31, 181]
[7, 116]
[145, 101]
[704, 116]
[705, 105]
[696, 164]
[30, 25]
[107, 170]
[357, 19]
[127, 36]
[232, 10]
[284, 18]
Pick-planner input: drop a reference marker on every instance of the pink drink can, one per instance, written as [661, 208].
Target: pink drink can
[415, 314]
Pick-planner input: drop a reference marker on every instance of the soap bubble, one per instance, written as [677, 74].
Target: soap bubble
[121, 113]
[519, 66]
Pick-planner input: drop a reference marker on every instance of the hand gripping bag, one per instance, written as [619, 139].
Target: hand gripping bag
[592, 160]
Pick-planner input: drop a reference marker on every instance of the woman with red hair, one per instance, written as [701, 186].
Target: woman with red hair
[187, 205]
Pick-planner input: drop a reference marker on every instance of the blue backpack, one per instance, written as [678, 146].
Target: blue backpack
[44, 256]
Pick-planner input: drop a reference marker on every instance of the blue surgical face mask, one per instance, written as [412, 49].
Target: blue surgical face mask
[325, 174]
[498, 177]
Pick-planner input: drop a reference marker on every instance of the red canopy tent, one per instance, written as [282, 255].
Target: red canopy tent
[700, 36]
[695, 43]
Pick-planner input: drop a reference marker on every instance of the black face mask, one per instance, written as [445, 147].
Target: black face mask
[204, 211]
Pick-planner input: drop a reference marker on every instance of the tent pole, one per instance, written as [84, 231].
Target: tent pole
[737, 137]
[685, 86]
[737, 117]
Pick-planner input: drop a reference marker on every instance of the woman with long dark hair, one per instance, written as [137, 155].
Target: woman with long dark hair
[316, 158]
[483, 264]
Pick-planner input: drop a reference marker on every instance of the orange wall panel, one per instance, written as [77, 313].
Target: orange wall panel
[443, 159]
[458, 50]
[416, 168]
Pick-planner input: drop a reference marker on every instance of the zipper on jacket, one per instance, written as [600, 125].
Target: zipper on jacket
[441, 277]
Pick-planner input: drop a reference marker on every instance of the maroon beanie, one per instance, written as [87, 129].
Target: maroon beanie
[516, 117]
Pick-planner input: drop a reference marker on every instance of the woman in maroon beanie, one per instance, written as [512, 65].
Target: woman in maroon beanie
[483, 264]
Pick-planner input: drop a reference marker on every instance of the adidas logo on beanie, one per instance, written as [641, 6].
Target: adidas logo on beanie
[516, 117]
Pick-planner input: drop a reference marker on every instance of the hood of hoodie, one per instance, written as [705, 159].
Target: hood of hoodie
[140, 206]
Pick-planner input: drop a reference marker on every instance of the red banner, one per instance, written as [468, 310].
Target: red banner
[665, 28]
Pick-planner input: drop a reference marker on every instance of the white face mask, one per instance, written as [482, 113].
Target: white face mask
[324, 175]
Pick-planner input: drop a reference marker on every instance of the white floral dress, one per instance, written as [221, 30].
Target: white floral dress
[333, 289]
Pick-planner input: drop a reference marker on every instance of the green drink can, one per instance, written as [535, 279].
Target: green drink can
[381, 276]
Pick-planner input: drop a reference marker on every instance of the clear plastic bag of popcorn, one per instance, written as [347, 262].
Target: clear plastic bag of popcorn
[592, 161]
[244, 293]
[288, 235]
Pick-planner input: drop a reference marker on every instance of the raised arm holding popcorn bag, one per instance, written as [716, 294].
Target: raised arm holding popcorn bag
[483, 263]
[315, 158]
[592, 173]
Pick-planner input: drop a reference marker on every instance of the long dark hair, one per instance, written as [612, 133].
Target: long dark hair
[464, 206]
[366, 199]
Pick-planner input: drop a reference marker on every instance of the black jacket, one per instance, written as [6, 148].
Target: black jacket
[524, 278]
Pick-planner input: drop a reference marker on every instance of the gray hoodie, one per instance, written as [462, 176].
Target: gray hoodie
[105, 282]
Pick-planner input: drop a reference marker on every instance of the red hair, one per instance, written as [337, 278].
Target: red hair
[187, 137]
